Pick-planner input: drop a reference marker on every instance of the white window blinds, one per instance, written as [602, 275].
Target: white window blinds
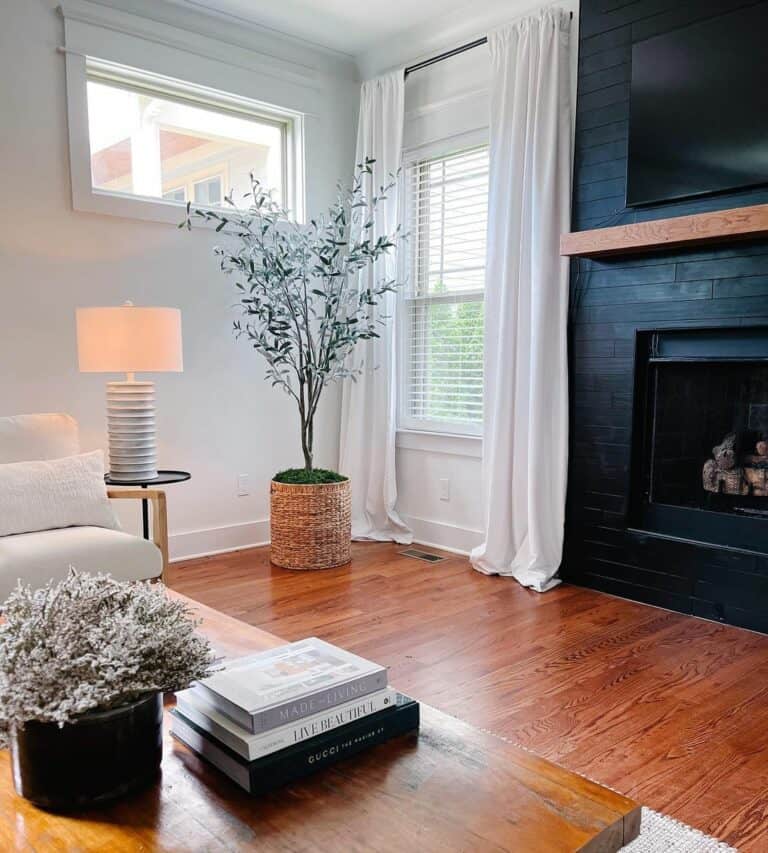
[447, 212]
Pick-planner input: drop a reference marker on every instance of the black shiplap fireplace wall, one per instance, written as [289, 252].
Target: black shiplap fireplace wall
[614, 299]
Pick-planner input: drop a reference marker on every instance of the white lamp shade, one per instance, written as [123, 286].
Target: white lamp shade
[129, 339]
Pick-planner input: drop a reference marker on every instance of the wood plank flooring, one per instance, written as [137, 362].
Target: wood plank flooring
[667, 709]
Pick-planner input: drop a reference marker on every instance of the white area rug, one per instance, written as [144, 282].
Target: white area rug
[662, 834]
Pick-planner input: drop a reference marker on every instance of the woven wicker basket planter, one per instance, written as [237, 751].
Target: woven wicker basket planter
[311, 526]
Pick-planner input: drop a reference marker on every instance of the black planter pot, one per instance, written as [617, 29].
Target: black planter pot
[96, 758]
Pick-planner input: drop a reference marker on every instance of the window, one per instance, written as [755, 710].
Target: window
[155, 138]
[442, 333]
[208, 191]
[178, 194]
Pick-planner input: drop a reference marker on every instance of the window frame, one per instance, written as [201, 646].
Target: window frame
[85, 197]
[406, 423]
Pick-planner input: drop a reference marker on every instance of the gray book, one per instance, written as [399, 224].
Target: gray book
[251, 747]
[272, 688]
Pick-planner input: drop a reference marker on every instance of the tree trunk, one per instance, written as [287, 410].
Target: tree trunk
[306, 415]
[306, 443]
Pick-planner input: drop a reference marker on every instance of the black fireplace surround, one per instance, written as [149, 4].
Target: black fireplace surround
[668, 369]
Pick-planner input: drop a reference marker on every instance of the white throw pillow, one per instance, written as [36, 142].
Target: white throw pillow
[46, 494]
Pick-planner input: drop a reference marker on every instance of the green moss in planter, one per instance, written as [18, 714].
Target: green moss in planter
[302, 477]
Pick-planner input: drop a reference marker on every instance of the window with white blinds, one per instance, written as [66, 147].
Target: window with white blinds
[442, 346]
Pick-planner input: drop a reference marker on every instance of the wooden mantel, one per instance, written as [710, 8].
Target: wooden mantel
[721, 226]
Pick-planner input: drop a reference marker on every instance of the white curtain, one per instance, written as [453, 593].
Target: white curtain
[368, 406]
[526, 385]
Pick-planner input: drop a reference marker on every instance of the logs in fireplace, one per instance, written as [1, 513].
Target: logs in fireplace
[726, 474]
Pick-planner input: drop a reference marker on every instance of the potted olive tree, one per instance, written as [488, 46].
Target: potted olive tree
[304, 311]
[83, 667]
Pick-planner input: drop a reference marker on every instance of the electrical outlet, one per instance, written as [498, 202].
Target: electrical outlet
[243, 488]
[445, 490]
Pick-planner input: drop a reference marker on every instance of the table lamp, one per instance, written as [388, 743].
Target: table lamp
[130, 339]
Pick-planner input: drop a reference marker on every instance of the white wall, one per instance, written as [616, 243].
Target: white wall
[219, 418]
[445, 102]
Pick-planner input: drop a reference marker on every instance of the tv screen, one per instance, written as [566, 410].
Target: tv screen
[699, 108]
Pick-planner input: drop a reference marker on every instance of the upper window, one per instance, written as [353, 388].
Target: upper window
[172, 142]
[442, 333]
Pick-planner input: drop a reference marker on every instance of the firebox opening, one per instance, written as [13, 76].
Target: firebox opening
[700, 443]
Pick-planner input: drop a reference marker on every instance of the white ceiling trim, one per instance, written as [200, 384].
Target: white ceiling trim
[242, 45]
[205, 9]
[349, 27]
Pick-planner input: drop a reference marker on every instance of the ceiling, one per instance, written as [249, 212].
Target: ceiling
[348, 26]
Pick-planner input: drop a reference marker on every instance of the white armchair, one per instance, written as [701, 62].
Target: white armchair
[38, 557]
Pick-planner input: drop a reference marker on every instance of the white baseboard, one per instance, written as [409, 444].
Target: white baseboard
[439, 534]
[250, 534]
[218, 540]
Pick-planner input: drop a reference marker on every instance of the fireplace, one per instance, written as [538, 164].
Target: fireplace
[700, 436]
[668, 358]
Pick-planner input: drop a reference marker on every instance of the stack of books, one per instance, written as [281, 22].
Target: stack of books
[270, 718]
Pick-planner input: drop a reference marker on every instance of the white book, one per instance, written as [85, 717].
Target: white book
[284, 684]
[193, 705]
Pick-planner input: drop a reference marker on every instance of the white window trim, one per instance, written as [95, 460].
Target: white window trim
[434, 433]
[449, 444]
[87, 198]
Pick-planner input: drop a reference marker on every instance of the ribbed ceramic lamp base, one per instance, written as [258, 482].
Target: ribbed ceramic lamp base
[131, 426]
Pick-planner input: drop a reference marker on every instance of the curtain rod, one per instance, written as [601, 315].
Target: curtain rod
[449, 53]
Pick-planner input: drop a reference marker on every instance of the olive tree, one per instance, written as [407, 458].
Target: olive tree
[303, 294]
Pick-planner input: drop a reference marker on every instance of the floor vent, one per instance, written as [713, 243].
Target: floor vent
[422, 555]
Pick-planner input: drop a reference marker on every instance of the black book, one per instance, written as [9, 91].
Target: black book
[287, 765]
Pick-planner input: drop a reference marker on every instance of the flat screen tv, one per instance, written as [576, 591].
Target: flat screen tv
[699, 108]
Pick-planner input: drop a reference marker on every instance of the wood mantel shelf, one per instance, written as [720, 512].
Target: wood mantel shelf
[721, 226]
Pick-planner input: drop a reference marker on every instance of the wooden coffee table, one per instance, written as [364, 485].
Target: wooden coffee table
[451, 788]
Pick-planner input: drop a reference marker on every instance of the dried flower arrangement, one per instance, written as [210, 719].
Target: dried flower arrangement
[92, 643]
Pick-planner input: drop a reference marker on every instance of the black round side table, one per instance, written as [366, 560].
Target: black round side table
[164, 478]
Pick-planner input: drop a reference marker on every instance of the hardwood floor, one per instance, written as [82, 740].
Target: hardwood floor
[667, 709]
